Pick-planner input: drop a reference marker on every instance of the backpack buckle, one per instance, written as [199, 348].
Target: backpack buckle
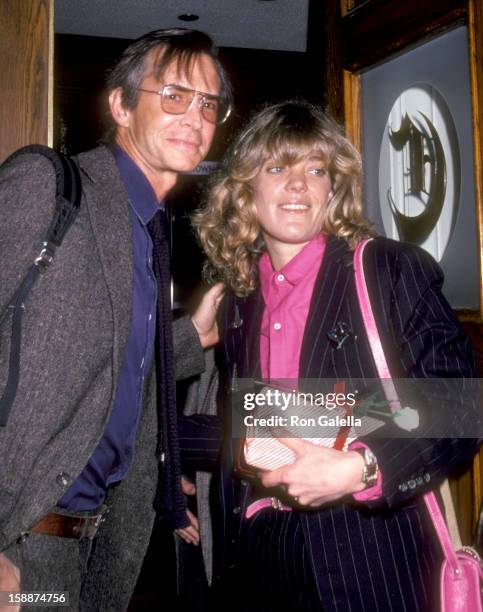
[45, 257]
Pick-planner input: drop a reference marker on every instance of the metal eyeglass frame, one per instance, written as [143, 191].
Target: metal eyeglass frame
[204, 95]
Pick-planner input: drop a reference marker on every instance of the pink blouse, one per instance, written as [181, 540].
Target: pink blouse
[284, 318]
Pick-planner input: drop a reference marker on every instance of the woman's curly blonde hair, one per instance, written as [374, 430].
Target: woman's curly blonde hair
[227, 225]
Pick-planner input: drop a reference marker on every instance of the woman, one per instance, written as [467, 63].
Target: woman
[279, 228]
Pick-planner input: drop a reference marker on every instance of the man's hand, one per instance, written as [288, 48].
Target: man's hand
[191, 534]
[9, 580]
[204, 319]
[187, 486]
[319, 475]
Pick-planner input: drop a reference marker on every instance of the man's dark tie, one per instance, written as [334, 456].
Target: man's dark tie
[170, 500]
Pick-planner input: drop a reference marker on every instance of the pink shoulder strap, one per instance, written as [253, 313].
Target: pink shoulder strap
[391, 393]
[371, 329]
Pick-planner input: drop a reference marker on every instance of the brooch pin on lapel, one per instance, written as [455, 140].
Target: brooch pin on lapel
[237, 320]
[340, 334]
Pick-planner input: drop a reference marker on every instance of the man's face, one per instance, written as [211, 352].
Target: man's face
[160, 142]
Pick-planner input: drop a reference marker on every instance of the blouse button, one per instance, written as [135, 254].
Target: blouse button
[277, 326]
[280, 277]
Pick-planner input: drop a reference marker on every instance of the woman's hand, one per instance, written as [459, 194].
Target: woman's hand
[318, 475]
[190, 534]
[204, 319]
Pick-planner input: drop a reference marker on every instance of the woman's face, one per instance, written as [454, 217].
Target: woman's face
[291, 202]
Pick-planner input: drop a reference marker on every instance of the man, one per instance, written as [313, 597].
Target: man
[83, 431]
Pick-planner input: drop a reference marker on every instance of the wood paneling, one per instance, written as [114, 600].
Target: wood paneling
[377, 29]
[475, 28]
[333, 94]
[475, 332]
[352, 103]
[467, 499]
[26, 68]
[346, 6]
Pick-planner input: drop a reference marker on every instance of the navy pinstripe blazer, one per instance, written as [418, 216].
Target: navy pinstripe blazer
[379, 555]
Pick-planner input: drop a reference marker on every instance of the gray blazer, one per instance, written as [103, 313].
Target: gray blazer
[75, 330]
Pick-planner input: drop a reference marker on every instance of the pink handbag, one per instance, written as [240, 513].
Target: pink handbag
[462, 568]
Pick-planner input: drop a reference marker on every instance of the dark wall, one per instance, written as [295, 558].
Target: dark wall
[261, 77]
[80, 107]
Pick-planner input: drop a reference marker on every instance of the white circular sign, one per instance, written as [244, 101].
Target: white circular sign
[419, 170]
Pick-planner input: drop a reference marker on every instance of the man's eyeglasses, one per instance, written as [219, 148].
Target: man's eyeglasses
[176, 100]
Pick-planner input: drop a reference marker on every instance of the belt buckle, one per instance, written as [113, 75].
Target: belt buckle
[92, 528]
[81, 528]
[88, 526]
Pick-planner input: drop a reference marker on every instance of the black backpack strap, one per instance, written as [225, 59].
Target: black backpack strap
[68, 195]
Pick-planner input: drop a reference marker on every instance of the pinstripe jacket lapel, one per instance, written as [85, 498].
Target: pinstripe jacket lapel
[328, 294]
[250, 312]
[332, 280]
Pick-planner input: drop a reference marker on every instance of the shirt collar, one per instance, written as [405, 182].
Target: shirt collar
[298, 267]
[140, 193]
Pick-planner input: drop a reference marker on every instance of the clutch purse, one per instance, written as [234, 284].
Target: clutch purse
[334, 427]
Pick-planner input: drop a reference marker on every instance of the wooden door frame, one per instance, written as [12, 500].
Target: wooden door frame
[372, 31]
[26, 60]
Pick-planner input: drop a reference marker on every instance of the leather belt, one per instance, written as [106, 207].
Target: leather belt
[65, 526]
